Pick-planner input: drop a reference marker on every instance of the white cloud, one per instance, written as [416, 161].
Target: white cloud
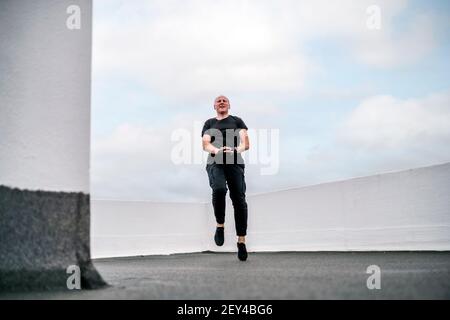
[386, 122]
[255, 52]
[187, 49]
[383, 133]
[204, 48]
[389, 48]
[134, 162]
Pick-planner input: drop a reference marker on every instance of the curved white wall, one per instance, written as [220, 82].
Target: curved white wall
[129, 228]
[44, 95]
[407, 210]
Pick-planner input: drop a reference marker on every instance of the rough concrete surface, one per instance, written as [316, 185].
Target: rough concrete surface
[42, 233]
[283, 275]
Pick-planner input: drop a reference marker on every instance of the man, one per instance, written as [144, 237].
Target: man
[225, 138]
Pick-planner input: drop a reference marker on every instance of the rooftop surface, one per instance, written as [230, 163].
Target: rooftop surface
[277, 275]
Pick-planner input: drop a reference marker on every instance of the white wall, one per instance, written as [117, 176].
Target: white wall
[128, 228]
[408, 210]
[45, 73]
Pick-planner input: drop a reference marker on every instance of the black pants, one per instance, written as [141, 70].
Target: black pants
[221, 175]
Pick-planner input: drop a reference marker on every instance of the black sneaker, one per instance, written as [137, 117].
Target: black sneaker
[242, 251]
[219, 236]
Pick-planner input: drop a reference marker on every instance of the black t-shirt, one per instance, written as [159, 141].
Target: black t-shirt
[223, 133]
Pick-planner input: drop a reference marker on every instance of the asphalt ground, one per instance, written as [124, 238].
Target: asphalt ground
[272, 275]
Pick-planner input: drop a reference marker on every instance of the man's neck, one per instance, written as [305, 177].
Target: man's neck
[222, 116]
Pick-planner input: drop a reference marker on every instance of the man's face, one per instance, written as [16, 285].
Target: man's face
[221, 104]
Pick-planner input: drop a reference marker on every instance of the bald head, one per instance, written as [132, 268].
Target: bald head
[220, 99]
[221, 105]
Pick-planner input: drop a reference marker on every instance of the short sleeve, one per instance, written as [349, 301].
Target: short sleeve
[206, 127]
[240, 124]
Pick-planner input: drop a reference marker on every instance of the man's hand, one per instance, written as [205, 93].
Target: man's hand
[240, 149]
[223, 149]
[227, 149]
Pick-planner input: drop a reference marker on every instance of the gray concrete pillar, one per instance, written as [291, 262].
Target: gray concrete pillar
[45, 79]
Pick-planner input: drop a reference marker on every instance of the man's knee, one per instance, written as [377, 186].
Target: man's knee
[220, 190]
[238, 199]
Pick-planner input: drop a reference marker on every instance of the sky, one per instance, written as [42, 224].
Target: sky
[330, 90]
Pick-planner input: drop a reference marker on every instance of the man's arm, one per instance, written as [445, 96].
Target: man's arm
[244, 144]
[208, 146]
